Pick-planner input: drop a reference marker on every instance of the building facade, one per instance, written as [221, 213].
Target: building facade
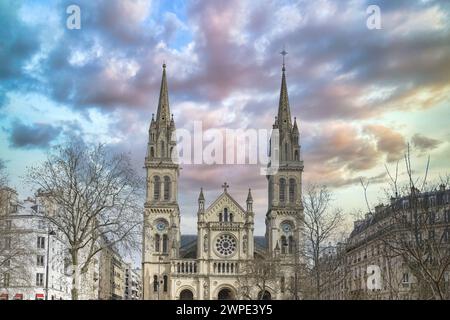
[133, 283]
[220, 261]
[112, 275]
[391, 242]
[32, 255]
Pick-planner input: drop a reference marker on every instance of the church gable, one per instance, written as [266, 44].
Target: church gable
[225, 201]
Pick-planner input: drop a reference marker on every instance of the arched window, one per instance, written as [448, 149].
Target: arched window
[152, 152]
[291, 244]
[205, 243]
[225, 214]
[296, 155]
[156, 187]
[220, 217]
[165, 285]
[271, 190]
[166, 188]
[231, 217]
[282, 284]
[291, 190]
[284, 244]
[155, 283]
[162, 149]
[286, 152]
[157, 242]
[282, 190]
[165, 245]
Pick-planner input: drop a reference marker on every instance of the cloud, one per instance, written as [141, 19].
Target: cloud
[36, 135]
[424, 144]
[18, 42]
[224, 69]
[388, 141]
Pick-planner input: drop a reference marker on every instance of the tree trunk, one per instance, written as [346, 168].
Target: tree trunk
[75, 275]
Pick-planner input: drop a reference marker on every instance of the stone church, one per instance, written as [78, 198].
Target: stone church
[225, 260]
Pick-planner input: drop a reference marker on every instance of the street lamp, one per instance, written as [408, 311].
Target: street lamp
[50, 233]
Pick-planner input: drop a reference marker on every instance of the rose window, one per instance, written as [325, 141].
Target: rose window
[226, 244]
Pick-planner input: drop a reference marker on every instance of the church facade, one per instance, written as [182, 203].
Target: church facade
[225, 260]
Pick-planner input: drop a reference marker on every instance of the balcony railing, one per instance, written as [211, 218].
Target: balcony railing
[225, 225]
[225, 267]
[184, 267]
[189, 267]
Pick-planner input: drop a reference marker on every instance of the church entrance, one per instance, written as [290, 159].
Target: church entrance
[186, 294]
[264, 295]
[225, 294]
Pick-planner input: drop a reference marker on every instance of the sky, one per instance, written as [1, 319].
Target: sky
[360, 95]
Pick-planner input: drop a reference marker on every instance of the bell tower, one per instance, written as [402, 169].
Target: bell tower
[284, 219]
[161, 234]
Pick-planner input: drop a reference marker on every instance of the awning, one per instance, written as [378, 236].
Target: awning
[4, 296]
[39, 296]
[18, 296]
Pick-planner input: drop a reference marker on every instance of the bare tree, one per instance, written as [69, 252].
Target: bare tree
[3, 174]
[321, 226]
[419, 229]
[259, 274]
[93, 197]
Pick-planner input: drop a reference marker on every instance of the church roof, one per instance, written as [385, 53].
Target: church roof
[188, 248]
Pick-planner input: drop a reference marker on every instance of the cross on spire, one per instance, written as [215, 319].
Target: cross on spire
[283, 53]
[225, 186]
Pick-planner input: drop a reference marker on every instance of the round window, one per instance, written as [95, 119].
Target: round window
[161, 225]
[286, 226]
[226, 244]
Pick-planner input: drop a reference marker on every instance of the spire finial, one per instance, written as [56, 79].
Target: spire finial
[284, 53]
[225, 186]
[201, 196]
[249, 196]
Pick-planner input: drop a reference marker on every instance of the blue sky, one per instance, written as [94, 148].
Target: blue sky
[359, 95]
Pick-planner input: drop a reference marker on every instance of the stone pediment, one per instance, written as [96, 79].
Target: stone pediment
[225, 200]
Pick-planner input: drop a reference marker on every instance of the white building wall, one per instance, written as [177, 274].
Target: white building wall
[27, 224]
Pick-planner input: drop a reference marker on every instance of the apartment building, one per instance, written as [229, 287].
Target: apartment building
[32, 255]
[381, 257]
[133, 283]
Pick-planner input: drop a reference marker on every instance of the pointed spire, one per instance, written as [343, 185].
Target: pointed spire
[284, 111]
[295, 125]
[163, 113]
[201, 196]
[249, 196]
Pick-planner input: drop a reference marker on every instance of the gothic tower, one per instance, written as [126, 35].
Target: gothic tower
[284, 219]
[161, 214]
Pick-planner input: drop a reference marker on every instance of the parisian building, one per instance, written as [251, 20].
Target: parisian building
[32, 255]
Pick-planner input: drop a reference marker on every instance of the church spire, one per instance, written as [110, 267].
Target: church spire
[284, 111]
[163, 113]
